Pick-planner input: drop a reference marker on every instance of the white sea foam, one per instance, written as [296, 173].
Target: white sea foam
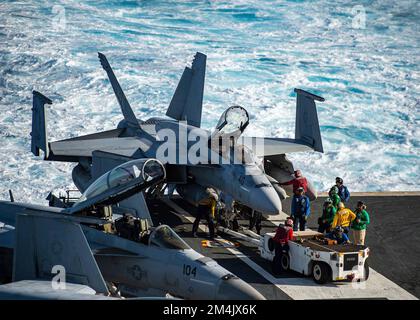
[258, 51]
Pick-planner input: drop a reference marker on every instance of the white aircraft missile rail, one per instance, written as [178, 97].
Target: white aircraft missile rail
[240, 236]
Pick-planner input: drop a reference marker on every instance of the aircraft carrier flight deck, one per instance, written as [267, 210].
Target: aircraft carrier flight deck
[390, 279]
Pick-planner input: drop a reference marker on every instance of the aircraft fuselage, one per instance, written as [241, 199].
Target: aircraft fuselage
[181, 272]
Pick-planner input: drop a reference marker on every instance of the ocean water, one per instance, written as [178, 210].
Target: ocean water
[363, 58]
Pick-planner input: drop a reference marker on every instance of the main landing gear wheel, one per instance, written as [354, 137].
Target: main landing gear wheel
[271, 245]
[276, 266]
[285, 261]
[234, 225]
[366, 271]
[321, 272]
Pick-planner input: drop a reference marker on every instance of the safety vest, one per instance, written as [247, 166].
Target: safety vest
[213, 207]
[343, 218]
[283, 234]
[300, 206]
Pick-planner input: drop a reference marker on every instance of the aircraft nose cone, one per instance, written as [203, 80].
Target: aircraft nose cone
[233, 288]
[266, 200]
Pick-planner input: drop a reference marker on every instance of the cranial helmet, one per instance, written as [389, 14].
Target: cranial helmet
[338, 229]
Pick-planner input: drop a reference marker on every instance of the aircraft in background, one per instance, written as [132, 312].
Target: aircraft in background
[228, 162]
[97, 246]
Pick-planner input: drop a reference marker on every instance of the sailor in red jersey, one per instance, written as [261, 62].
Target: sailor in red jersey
[297, 182]
[283, 234]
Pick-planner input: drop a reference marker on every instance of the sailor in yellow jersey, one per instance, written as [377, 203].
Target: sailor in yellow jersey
[205, 210]
[343, 218]
[213, 205]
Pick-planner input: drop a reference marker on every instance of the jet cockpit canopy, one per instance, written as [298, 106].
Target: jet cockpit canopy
[163, 236]
[120, 183]
[231, 124]
[233, 121]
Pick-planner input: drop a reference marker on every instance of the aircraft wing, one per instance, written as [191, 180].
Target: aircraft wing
[9, 212]
[307, 131]
[72, 149]
[273, 146]
[41, 290]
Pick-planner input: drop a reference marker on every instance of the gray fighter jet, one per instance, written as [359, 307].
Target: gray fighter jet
[95, 245]
[39, 258]
[195, 158]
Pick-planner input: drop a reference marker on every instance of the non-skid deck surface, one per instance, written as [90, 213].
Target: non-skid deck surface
[245, 262]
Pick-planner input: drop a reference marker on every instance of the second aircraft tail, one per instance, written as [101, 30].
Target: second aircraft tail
[187, 101]
[307, 125]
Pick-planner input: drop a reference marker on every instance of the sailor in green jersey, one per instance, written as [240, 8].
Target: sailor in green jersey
[359, 224]
[328, 214]
[334, 197]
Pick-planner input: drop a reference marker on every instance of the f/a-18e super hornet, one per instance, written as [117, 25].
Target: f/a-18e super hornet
[195, 158]
[95, 245]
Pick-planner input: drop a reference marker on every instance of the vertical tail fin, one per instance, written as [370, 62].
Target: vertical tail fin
[126, 109]
[42, 244]
[307, 126]
[187, 101]
[39, 124]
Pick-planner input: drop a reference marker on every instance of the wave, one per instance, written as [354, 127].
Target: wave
[258, 51]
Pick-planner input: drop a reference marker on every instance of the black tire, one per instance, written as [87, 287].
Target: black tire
[276, 266]
[271, 245]
[366, 271]
[235, 225]
[321, 272]
[285, 262]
